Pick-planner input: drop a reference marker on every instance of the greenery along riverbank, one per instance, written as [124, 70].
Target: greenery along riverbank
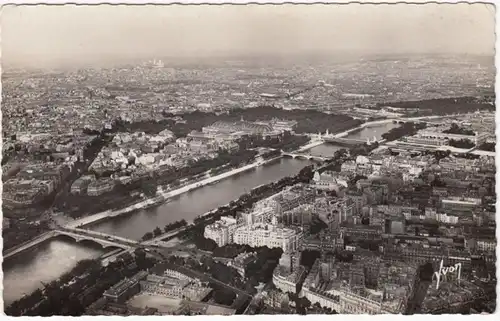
[168, 228]
[125, 195]
[246, 201]
[22, 232]
[444, 106]
[83, 285]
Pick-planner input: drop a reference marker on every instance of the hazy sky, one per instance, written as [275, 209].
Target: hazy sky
[48, 34]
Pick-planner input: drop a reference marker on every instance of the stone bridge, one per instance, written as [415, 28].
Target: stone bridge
[305, 156]
[105, 240]
[78, 235]
[347, 141]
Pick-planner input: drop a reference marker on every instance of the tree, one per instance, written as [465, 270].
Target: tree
[149, 188]
[462, 143]
[455, 129]
[147, 236]
[487, 147]
[302, 305]
[262, 268]
[306, 174]
[203, 243]
[306, 302]
[157, 231]
[74, 307]
[224, 297]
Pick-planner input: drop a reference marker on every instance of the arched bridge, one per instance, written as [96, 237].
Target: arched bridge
[346, 141]
[306, 156]
[105, 240]
[79, 235]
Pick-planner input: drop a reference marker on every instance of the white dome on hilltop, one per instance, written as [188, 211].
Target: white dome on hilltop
[362, 160]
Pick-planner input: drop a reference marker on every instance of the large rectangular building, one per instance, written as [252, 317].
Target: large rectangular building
[457, 204]
[126, 288]
[268, 235]
[436, 138]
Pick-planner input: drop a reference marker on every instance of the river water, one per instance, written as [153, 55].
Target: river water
[24, 273]
[189, 205]
[373, 131]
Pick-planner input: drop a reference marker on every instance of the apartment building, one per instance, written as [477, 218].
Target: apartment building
[221, 232]
[268, 235]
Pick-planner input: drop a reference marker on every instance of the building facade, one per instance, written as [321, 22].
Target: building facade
[268, 235]
[221, 232]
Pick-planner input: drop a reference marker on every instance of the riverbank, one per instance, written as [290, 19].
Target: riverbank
[163, 196]
[190, 206]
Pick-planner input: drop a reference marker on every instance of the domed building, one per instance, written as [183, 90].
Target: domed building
[362, 160]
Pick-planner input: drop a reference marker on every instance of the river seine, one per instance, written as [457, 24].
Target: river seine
[26, 272]
[189, 205]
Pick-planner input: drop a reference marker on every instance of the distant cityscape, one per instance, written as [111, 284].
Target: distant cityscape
[349, 235]
[250, 186]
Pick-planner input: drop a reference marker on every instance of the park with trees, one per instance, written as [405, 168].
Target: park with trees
[457, 130]
[461, 143]
[442, 106]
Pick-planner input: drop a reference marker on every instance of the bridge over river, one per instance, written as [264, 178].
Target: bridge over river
[24, 272]
[304, 156]
[79, 235]
[348, 141]
[103, 239]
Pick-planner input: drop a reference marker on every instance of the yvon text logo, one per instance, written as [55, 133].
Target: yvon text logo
[443, 272]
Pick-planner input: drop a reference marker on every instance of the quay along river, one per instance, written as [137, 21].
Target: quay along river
[25, 273]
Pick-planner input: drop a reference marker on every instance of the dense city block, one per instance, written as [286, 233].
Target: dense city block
[271, 183]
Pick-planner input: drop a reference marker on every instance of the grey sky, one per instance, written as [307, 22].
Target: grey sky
[47, 34]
